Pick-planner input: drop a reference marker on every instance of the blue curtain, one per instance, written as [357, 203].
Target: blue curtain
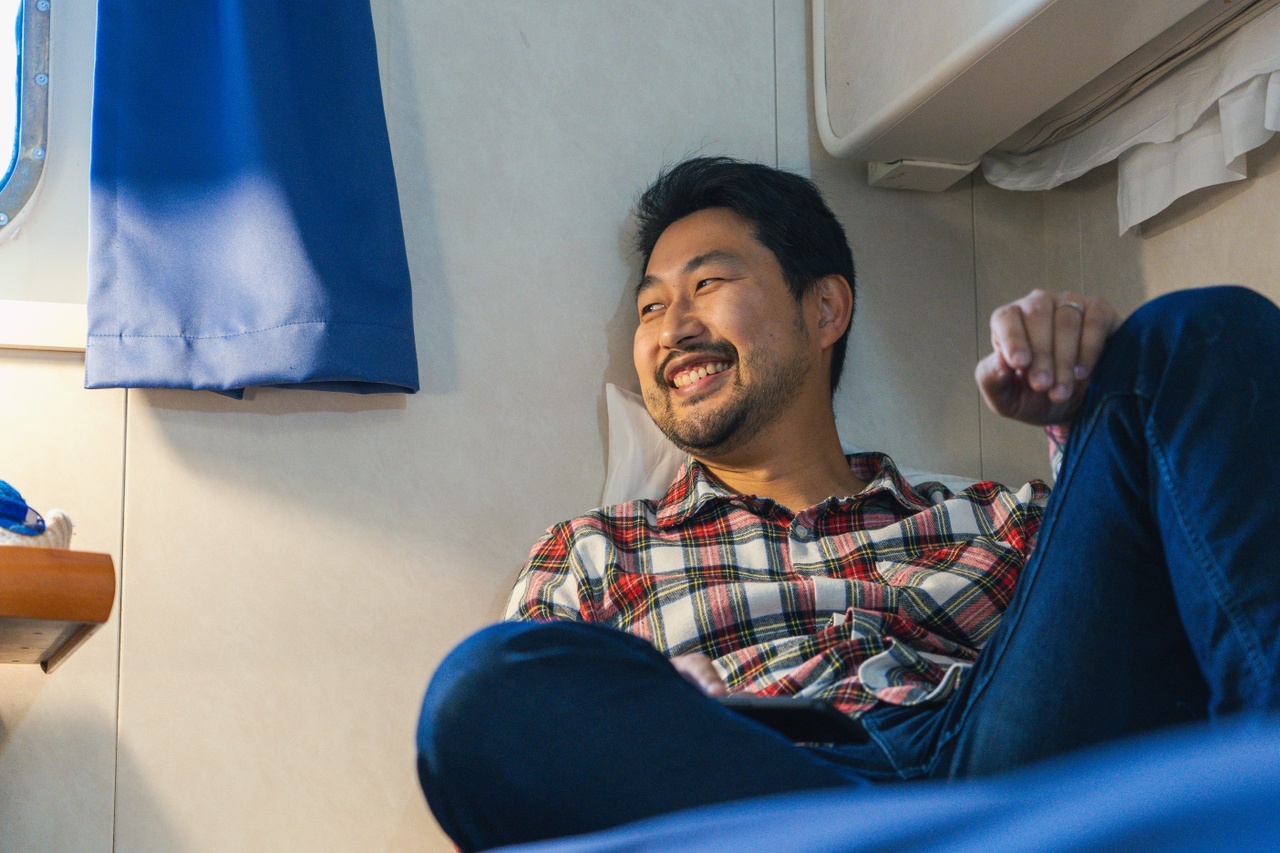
[244, 226]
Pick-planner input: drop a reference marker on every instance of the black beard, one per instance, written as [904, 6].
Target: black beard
[738, 420]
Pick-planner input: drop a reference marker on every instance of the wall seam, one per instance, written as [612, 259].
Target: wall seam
[1080, 241]
[777, 145]
[124, 476]
[977, 326]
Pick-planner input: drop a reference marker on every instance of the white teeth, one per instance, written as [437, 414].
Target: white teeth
[702, 372]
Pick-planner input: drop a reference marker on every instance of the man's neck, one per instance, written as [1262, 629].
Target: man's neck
[796, 471]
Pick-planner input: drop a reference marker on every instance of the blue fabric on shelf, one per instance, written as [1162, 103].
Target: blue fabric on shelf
[245, 226]
[15, 515]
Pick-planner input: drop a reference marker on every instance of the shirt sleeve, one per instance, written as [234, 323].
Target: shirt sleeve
[1058, 434]
[547, 588]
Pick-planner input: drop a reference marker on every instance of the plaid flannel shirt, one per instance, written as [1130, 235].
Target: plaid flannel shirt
[886, 595]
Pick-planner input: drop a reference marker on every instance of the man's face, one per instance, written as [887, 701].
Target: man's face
[722, 347]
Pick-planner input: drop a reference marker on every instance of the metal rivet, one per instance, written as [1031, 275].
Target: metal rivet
[43, 5]
[4, 219]
[38, 154]
[42, 79]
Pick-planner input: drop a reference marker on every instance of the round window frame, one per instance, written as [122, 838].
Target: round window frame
[20, 189]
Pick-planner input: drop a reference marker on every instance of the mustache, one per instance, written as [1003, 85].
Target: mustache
[720, 348]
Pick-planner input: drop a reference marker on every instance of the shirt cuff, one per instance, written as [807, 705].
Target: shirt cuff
[1058, 434]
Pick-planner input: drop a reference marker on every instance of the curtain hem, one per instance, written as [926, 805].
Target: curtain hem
[322, 356]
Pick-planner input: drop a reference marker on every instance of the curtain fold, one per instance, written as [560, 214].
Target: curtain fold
[244, 221]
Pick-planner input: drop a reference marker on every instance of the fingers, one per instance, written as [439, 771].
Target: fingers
[1046, 337]
[1099, 322]
[1068, 320]
[698, 669]
[1038, 310]
[1022, 333]
[998, 384]
[1045, 345]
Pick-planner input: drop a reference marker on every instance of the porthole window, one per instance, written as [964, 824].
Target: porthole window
[24, 105]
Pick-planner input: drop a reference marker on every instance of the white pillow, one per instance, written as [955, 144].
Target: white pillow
[643, 462]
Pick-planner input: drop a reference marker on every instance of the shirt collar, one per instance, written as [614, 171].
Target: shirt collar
[883, 477]
[694, 491]
[691, 491]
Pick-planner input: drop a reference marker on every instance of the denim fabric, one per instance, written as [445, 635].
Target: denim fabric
[1152, 598]
[1153, 595]
[538, 730]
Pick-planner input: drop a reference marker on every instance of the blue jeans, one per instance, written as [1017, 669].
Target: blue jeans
[1152, 598]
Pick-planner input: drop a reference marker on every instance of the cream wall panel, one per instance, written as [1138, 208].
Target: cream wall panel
[299, 562]
[1012, 257]
[62, 447]
[1220, 235]
[1062, 240]
[1081, 218]
[907, 387]
[794, 96]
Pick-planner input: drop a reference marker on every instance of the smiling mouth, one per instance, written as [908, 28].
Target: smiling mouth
[687, 377]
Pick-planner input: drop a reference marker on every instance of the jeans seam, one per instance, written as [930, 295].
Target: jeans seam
[1214, 577]
[895, 757]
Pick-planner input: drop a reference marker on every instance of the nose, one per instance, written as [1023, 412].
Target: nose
[680, 323]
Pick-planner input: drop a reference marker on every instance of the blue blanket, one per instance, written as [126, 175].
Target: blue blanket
[1197, 789]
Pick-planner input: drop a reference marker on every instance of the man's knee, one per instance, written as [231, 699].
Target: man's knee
[498, 675]
[471, 683]
[1198, 332]
[1207, 313]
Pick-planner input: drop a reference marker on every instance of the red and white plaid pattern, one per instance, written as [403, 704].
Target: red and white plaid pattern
[886, 595]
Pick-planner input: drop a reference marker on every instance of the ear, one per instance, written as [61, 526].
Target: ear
[835, 308]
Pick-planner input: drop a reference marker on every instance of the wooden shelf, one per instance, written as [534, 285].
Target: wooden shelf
[51, 601]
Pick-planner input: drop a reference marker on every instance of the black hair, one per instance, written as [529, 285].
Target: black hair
[788, 215]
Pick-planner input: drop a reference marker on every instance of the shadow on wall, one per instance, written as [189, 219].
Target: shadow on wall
[433, 318]
[270, 401]
[66, 802]
[242, 447]
[140, 822]
[1262, 162]
[20, 687]
[619, 332]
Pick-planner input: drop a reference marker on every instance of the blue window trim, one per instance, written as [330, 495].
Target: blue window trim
[33, 116]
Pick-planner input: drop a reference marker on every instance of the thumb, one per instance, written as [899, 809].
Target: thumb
[997, 382]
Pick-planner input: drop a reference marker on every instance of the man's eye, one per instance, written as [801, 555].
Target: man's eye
[707, 281]
[650, 308]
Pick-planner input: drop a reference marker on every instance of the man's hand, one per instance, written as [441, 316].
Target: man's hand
[1046, 346]
[697, 668]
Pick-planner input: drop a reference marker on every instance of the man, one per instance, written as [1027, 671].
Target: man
[1146, 589]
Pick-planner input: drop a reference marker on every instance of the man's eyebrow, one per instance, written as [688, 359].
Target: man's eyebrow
[715, 256]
